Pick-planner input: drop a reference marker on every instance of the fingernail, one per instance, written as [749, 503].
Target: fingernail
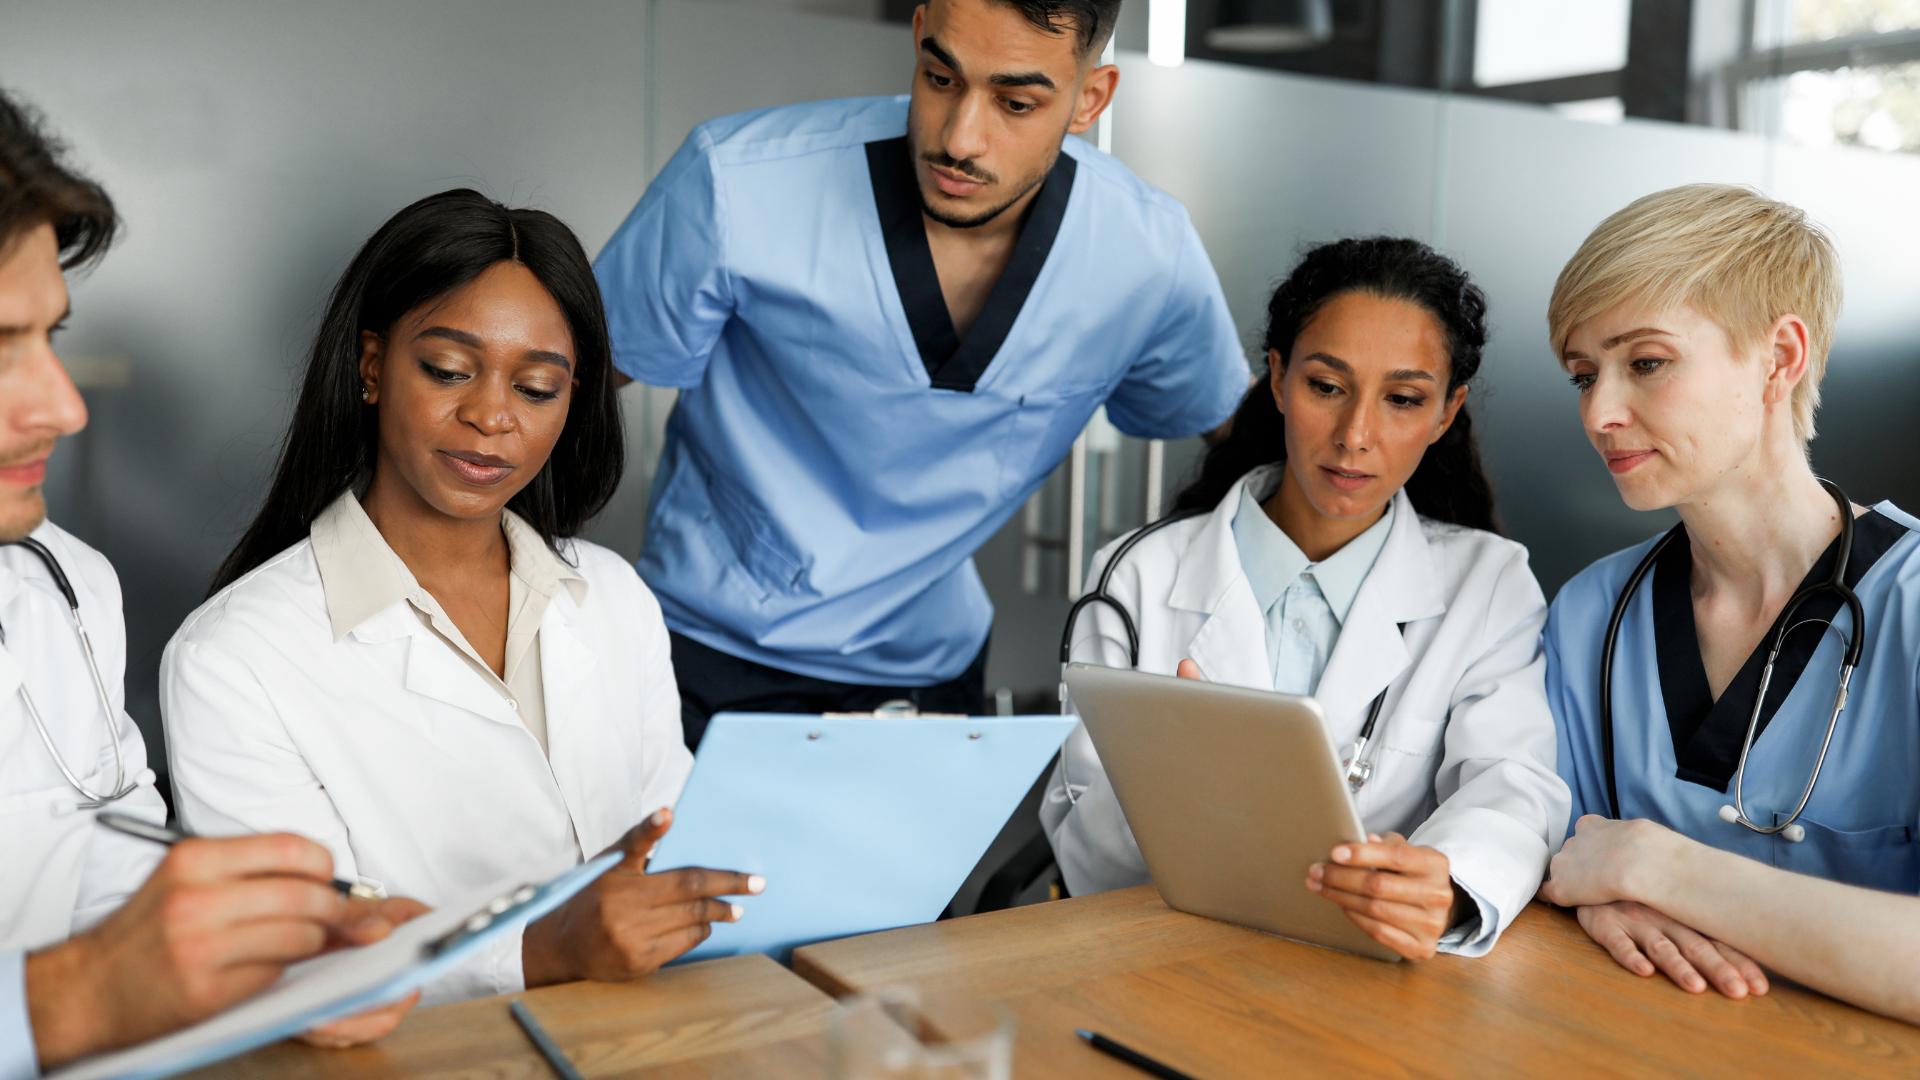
[756, 884]
[1342, 854]
[737, 911]
[1316, 871]
[659, 817]
[1313, 884]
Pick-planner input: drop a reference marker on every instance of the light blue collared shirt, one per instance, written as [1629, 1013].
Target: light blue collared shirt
[1304, 602]
[19, 1059]
[838, 453]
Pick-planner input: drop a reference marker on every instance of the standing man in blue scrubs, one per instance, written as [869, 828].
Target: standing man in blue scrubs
[889, 317]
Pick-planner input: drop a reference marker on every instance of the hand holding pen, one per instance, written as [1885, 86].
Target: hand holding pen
[364, 918]
[215, 923]
[161, 834]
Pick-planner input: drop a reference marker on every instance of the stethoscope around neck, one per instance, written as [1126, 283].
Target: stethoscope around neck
[1836, 585]
[1359, 763]
[122, 787]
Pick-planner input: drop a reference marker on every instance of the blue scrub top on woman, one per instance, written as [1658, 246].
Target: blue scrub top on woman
[1675, 749]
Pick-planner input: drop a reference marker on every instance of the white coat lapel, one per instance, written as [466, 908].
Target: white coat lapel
[1231, 646]
[433, 667]
[1402, 587]
[12, 674]
[566, 663]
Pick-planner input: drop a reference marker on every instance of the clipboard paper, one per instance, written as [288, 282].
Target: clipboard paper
[348, 982]
[858, 824]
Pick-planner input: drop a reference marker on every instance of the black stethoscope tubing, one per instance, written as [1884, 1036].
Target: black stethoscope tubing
[1836, 584]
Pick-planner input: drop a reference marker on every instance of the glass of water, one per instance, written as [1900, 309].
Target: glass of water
[895, 1033]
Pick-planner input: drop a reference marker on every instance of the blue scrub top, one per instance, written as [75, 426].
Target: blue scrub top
[838, 453]
[1861, 822]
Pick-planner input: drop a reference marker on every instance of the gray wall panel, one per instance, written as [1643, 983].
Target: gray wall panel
[252, 149]
[1524, 187]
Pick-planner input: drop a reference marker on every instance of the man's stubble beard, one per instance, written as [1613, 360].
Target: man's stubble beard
[951, 221]
[22, 515]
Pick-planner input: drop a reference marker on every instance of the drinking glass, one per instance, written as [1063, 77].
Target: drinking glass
[895, 1033]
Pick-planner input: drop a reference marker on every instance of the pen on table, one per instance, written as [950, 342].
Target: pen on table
[542, 1041]
[160, 834]
[1132, 1057]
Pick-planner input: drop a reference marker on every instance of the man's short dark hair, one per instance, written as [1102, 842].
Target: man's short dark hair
[36, 187]
[1092, 20]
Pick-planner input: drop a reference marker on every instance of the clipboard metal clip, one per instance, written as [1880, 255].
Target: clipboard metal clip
[897, 709]
[496, 909]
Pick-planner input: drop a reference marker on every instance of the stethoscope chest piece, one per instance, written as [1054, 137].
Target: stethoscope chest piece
[1793, 832]
[1836, 585]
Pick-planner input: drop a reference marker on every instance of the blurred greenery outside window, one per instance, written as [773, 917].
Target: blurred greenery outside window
[1871, 106]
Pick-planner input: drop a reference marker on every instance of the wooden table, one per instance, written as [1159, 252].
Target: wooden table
[744, 1016]
[1219, 1001]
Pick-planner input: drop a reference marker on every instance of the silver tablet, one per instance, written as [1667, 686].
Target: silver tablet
[1232, 793]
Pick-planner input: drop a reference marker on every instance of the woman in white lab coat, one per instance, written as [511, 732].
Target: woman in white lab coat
[410, 657]
[1344, 545]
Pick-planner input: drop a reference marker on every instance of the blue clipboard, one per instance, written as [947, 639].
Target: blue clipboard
[857, 824]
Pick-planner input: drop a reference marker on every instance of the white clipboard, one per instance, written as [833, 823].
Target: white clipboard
[348, 982]
[858, 824]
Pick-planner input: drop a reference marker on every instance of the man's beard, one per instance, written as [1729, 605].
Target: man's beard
[973, 172]
[22, 515]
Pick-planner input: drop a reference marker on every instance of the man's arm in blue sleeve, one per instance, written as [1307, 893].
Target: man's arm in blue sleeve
[1192, 373]
[19, 1060]
[663, 276]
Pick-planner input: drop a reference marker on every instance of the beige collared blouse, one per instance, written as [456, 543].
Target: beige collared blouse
[363, 576]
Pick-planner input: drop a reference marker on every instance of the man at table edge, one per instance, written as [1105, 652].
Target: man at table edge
[889, 318]
[215, 920]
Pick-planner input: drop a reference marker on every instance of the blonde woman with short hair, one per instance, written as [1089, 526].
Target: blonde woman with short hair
[1694, 325]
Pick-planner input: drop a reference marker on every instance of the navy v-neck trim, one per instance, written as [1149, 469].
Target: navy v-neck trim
[1706, 733]
[952, 363]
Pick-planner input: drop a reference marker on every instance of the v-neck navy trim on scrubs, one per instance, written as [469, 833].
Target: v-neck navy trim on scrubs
[954, 364]
[1707, 733]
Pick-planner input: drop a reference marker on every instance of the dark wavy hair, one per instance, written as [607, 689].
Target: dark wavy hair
[36, 186]
[421, 254]
[1450, 484]
[1090, 20]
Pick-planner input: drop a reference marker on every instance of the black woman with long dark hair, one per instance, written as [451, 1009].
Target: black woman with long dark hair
[410, 656]
[1343, 543]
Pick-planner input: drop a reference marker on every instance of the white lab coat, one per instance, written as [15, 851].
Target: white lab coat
[64, 873]
[1464, 749]
[391, 750]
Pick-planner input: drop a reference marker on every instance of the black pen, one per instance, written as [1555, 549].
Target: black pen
[1132, 1057]
[160, 834]
[542, 1041]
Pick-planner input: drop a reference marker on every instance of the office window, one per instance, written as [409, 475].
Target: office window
[1821, 20]
[1521, 41]
[1876, 107]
